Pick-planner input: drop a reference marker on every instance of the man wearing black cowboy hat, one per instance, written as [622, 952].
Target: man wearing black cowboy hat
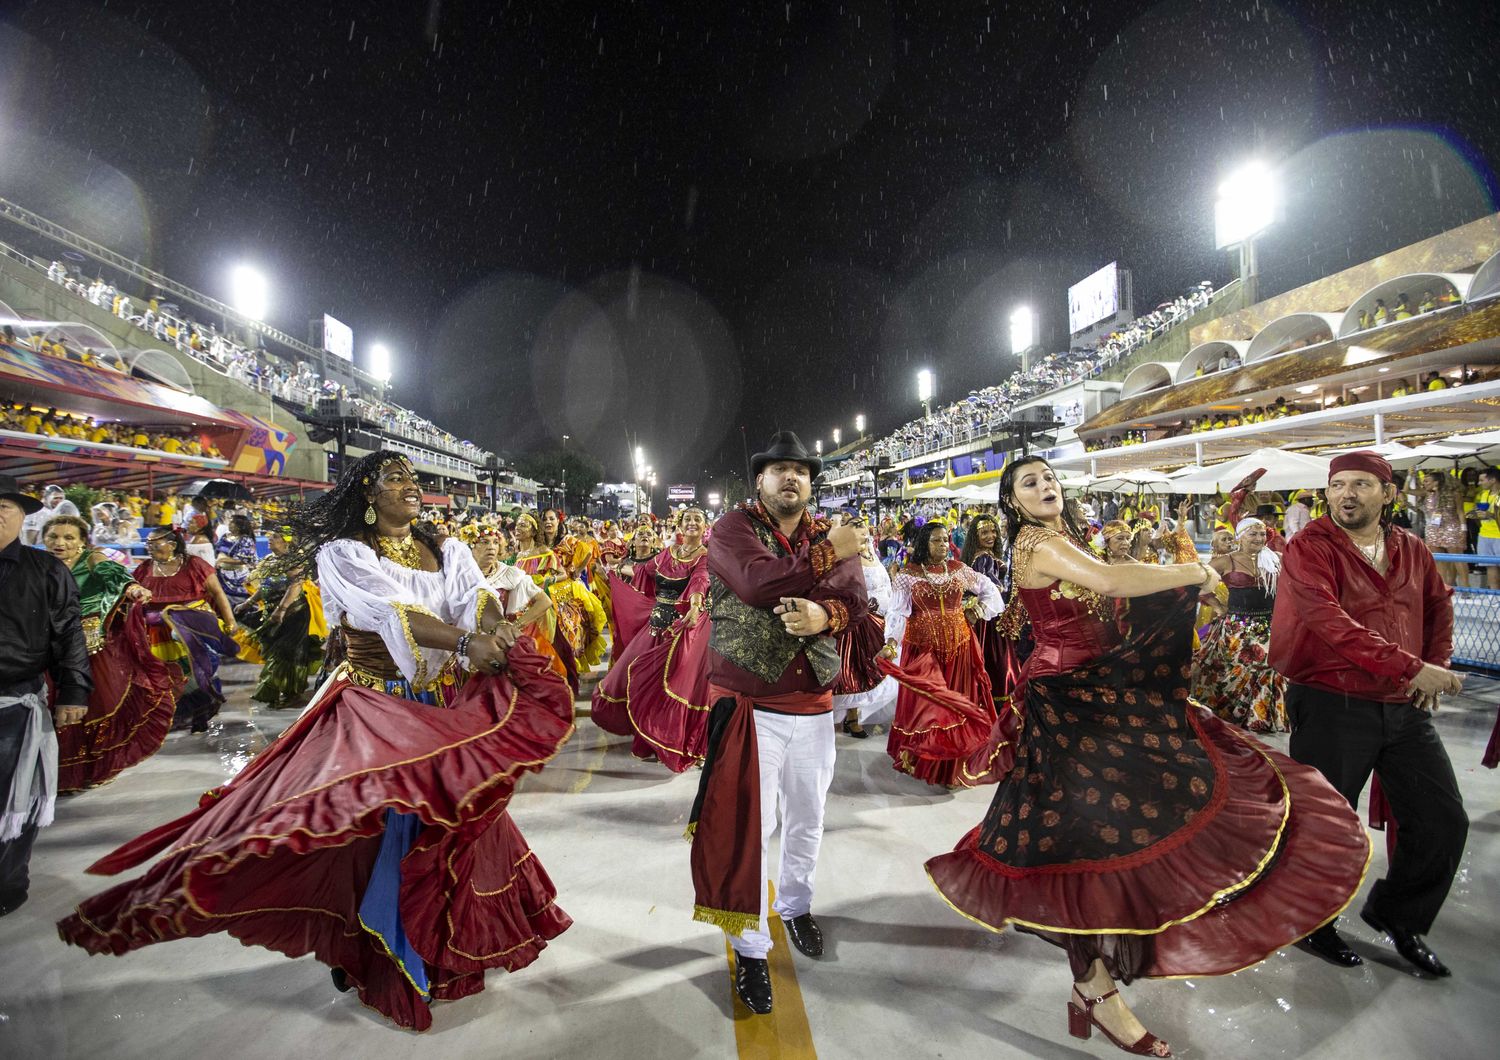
[40, 634]
[780, 587]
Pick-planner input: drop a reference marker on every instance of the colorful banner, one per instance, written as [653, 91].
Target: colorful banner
[17, 363]
[265, 445]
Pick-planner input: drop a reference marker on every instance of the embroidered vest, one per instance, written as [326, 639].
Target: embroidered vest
[754, 639]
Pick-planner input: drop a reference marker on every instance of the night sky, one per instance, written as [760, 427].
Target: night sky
[671, 220]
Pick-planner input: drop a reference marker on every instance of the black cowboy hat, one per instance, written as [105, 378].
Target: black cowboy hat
[10, 490]
[785, 445]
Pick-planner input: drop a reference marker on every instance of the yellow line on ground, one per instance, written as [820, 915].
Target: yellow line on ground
[783, 1034]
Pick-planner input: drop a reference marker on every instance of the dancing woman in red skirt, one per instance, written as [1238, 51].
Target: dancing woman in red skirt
[1137, 831]
[374, 833]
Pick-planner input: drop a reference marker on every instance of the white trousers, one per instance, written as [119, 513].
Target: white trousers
[796, 769]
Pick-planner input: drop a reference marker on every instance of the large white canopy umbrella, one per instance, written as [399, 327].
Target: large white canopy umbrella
[1445, 454]
[1285, 470]
[1143, 481]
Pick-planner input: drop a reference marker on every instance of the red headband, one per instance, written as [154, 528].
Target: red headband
[1362, 460]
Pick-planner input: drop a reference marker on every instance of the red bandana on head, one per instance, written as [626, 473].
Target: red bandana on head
[1361, 460]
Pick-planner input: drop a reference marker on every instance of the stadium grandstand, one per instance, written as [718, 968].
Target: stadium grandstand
[117, 378]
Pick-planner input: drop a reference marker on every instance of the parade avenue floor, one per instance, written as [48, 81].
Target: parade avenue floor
[636, 977]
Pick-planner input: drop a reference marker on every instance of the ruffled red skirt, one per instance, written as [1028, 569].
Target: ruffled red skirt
[1132, 811]
[657, 691]
[130, 709]
[945, 713]
[279, 856]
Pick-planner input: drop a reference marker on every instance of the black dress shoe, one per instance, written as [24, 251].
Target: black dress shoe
[1412, 946]
[854, 729]
[1326, 943]
[340, 980]
[752, 981]
[805, 934]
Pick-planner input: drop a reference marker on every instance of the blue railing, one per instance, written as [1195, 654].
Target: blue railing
[1476, 617]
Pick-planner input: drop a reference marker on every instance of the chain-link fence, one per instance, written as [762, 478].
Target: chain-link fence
[1476, 616]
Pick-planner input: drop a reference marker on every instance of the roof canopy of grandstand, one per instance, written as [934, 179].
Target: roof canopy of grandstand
[1453, 286]
[1144, 378]
[1486, 280]
[1207, 356]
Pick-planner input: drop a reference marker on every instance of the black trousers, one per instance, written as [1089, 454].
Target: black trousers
[15, 854]
[1346, 739]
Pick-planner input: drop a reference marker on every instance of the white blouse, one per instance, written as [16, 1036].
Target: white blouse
[372, 593]
[518, 586]
[991, 603]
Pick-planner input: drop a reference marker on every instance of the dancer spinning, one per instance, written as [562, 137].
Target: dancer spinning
[541, 563]
[657, 690]
[778, 584]
[135, 694]
[1232, 673]
[292, 627]
[864, 692]
[945, 709]
[374, 833]
[1137, 831]
[188, 619]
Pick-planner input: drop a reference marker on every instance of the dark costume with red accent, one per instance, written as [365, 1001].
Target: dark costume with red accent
[1135, 826]
[374, 833]
[657, 689]
[770, 743]
[135, 693]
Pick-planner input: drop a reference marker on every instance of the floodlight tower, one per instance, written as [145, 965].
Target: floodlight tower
[1248, 203]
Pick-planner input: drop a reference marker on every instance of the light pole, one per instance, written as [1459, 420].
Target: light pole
[380, 365]
[1023, 335]
[818, 445]
[859, 425]
[837, 437]
[924, 392]
[1248, 203]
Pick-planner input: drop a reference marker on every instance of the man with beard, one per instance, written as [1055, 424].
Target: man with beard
[780, 586]
[1363, 631]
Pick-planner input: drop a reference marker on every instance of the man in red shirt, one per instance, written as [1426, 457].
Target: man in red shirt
[779, 587]
[1363, 631]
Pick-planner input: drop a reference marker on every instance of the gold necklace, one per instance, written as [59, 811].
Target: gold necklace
[401, 551]
[689, 556]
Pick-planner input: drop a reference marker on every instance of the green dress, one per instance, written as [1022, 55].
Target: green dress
[292, 654]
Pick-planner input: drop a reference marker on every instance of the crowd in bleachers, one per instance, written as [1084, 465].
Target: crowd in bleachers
[50, 423]
[300, 384]
[987, 411]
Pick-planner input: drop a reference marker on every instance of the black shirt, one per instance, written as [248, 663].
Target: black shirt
[40, 631]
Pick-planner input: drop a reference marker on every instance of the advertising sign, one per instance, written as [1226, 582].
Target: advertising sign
[682, 494]
[1094, 299]
[338, 338]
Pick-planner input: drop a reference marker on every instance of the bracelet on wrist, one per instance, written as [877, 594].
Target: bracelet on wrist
[462, 650]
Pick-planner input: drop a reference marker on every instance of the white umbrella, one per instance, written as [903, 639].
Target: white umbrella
[1285, 470]
[1143, 481]
[1184, 471]
[1077, 482]
[1482, 439]
[1438, 454]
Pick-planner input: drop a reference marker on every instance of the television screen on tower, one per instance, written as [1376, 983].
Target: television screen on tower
[338, 338]
[1094, 299]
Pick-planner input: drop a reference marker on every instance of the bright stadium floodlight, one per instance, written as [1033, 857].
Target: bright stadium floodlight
[1022, 330]
[818, 446]
[924, 391]
[1247, 204]
[837, 437]
[249, 292]
[380, 362]
[859, 424]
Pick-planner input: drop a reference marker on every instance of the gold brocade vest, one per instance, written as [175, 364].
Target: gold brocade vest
[937, 623]
[754, 639]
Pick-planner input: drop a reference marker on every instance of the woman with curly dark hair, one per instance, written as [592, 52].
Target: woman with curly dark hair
[944, 707]
[1136, 830]
[374, 833]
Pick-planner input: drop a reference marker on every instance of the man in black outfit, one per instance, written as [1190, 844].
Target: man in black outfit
[1363, 632]
[40, 635]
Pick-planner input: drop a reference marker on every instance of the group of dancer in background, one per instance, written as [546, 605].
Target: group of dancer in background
[1144, 834]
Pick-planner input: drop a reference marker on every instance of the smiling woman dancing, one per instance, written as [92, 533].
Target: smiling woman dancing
[1137, 831]
[374, 833]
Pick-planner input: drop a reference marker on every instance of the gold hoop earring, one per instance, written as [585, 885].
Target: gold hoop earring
[370, 515]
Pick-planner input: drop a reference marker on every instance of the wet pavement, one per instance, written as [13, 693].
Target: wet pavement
[635, 977]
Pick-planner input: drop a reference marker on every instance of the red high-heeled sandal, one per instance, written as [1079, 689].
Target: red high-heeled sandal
[1081, 1022]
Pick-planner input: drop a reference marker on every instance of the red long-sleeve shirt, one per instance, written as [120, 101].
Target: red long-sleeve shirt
[761, 578]
[1341, 626]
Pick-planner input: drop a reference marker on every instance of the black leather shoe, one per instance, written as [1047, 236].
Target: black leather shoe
[805, 934]
[1409, 944]
[752, 981]
[1326, 943]
[854, 729]
[340, 980]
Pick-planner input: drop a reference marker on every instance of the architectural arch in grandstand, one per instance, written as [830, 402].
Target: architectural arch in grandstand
[158, 366]
[85, 338]
[1291, 332]
[1208, 354]
[1486, 281]
[1413, 285]
[1143, 378]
